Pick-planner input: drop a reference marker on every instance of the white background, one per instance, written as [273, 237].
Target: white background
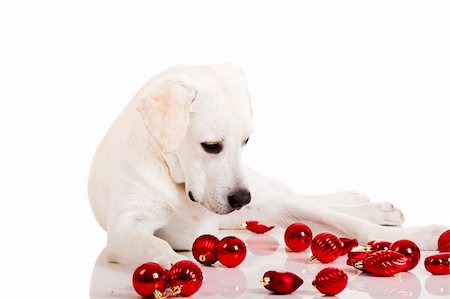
[346, 96]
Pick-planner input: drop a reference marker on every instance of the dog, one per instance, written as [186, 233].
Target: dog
[169, 170]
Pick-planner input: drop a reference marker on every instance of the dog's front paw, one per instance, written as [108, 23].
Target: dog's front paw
[383, 213]
[168, 260]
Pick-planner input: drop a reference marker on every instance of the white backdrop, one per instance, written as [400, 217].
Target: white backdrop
[346, 96]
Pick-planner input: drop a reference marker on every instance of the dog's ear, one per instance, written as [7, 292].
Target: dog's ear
[165, 111]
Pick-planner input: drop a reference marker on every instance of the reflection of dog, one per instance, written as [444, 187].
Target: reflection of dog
[169, 169]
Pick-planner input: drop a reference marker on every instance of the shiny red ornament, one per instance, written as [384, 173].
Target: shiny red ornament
[204, 249]
[356, 258]
[378, 245]
[281, 282]
[231, 251]
[330, 281]
[347, 245]
[185, 278]
[149, 280]
[438, 264]
[444, 241]
[385, 263]
[325, 247]
[256, 227]
[409, 249]
[298, 237]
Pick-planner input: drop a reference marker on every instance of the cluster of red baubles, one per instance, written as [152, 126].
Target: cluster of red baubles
[184, 278]
[378, 257]
[325, 247]
[383, 258]
[230, 251]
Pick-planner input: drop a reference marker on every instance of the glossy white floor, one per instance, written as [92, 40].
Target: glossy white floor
[267, 252]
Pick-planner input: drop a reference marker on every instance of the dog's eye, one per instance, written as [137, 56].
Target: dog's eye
[212, 147]
[246, 141]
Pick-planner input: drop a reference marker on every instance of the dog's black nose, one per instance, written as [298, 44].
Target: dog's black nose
[239, 198]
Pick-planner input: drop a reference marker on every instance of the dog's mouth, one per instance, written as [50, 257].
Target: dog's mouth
[223, 212]
[215, 207]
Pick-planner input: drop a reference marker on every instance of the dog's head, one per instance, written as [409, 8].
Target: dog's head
[200, 117]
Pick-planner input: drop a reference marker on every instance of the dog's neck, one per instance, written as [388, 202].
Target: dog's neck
[174, 168]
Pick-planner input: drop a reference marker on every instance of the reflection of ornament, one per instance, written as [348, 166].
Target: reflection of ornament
[228, 282]
[233, 282]
[330, 281]
[204, 249]
[444, 241]
[211, 281]
[281, 282]
[256, 227]
[149, 280]
[184, 278]
[298, 237]
[298, 263]
[262, 244]
[438, 285]
[325, 247]
[231, 251]
[384, 263]
[438, 263]
[348, 245]
[403, 285]
[409, 249]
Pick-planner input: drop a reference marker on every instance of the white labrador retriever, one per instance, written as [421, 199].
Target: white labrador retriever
[169, 169]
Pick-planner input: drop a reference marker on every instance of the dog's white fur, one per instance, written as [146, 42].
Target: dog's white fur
[151, 158]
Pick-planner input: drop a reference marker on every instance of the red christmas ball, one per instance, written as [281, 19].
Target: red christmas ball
[298, 237]
[149, 280]
[444, 241]
[330, 281]
[281, 282]
[185, 278]
[325, 247]
[380, 245]
[385, 263]
[438, 264]
[347, 245]
[204, 249]
[231, 251]
[409, 249]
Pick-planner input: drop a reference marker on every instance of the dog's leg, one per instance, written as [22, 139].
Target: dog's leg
[382, 213]
[283, 208]
[339, 198]
[347, 202]
[280, 209]
[131, 239]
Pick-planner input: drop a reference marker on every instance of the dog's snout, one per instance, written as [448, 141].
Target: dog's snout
[239, 198]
